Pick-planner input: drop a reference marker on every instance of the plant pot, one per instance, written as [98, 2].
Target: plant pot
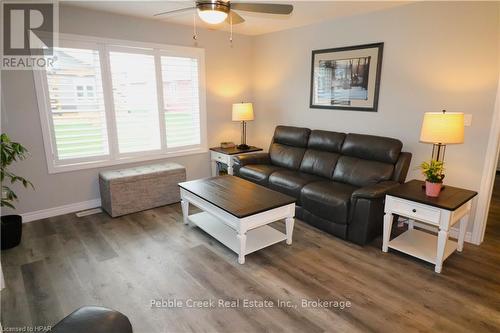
[12, 229]
[432, 189]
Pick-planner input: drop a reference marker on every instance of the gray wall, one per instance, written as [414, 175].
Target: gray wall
[228, 81]
[437, 55]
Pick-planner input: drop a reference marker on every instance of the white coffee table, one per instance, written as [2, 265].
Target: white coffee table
[237, 212]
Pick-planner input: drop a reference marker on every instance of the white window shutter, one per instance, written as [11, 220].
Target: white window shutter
[181, 101]
[135, 101]
[77, 112]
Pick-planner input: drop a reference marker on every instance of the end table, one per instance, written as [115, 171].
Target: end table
[225, 156]
[409, 200]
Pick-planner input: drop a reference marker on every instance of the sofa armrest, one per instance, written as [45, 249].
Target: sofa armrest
[402, 166]
[254, 158]
[367, 212]
[374, 191]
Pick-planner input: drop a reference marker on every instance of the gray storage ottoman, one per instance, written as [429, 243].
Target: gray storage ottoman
[132, 190]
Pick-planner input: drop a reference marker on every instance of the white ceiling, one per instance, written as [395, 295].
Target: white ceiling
[305, 12]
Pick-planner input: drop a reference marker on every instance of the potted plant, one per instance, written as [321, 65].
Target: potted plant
[434, 174]
[11, 224]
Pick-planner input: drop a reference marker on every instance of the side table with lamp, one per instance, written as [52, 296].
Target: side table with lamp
[223, 156]
[410, 200]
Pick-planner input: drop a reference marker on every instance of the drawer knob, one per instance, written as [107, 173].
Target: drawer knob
[414, 210]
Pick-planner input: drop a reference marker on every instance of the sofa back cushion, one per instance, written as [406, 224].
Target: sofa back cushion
[288, 146]
[322, 154]
[367, 159]
[326, 141]
[371, 147]
[291, 136]
[358, 172]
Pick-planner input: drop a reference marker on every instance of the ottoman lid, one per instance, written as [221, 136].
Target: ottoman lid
[141, 172]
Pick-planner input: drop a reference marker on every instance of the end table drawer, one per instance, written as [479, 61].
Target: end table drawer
[415, 211]
[220, 157]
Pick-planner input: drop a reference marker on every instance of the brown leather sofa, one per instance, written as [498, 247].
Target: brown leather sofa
[339, 180]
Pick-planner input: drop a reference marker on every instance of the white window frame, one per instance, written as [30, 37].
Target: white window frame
[104, 45]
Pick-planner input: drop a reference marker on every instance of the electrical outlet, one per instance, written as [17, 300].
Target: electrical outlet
[468, 119]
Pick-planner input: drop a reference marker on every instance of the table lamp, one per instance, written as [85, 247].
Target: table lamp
[243, 112]
[440, 129]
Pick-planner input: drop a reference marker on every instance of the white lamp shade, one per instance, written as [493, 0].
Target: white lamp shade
[243, 112]
[444, 128]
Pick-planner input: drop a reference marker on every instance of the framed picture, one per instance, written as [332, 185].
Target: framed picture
[346, 78]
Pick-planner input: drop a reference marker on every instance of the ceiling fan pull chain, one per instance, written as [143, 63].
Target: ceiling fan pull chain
[195, 35]
[231, 29]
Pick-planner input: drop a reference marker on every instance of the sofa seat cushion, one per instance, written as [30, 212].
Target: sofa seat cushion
[291, 182]
[328, 199]
[258, 173]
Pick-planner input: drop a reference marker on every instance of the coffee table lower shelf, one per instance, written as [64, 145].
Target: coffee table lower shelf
[421, 245]
[257, 238]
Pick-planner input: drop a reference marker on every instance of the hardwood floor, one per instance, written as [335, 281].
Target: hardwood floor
[126, 263]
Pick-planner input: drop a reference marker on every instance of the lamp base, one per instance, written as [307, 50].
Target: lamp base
[438, 150]
[243, 146]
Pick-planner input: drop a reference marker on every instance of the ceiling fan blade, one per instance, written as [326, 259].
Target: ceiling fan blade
[174, 11]
[235, 18]
[269, 8]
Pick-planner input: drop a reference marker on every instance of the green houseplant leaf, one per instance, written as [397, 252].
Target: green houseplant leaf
[11, 152]
[433, 171]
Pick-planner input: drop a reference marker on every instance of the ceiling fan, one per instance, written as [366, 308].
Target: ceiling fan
[218, 11]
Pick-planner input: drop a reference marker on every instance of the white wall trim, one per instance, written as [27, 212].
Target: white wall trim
[489, 174]
[60, 210]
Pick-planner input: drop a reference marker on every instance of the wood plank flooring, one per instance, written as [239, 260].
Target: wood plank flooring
[66, 262]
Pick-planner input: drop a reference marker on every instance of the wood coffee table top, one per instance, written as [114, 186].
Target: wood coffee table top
[236, 196]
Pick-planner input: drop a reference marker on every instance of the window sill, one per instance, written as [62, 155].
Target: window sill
[54, 169]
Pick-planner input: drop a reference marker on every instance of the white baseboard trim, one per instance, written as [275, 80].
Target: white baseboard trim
[453, 231]
[60, 210]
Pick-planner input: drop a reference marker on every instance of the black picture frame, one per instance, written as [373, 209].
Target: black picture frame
[378, 71]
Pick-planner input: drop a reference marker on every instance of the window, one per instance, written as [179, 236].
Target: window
[107, 102]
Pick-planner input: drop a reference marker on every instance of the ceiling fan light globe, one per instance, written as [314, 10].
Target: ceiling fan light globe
[212, 16]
